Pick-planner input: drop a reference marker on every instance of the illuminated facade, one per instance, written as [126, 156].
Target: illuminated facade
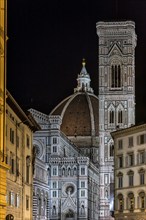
[76, 134]
[71, 161]
[3, 166]
[117, 41]
[19, 157]
[130, 172]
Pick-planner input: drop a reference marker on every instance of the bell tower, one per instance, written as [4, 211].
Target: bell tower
[117, 42]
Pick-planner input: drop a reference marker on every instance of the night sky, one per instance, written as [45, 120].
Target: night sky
[48, 40]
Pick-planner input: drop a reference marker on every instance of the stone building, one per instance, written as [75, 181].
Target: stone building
[76, 134]
[73, 171]
[130, 172]
[19, 139]
[3, 166]
[117, 41]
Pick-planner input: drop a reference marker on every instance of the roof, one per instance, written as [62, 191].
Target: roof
[25, 117]
[79, 114]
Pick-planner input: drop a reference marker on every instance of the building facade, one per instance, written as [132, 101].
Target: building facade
[76, 134]
[71, 189]
[130, 173]
[3, 166]
[117, 41]
[19, 157]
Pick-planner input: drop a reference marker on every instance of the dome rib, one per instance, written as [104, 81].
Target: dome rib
[67, 104]
[91, 115]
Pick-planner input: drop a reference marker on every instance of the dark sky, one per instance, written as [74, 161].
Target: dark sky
[49, 38]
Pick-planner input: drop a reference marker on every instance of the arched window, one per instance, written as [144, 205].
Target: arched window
[120, 116]
[63, 171]
[75, 170]
[111, 150]
[142, 200]
[54, 210]
[111, 117]
[131, 201]
[120, 203]
[116, 81]
[69, 171]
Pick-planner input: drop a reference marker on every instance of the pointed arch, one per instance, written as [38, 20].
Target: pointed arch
[120, 114]
[116, 73]
[111, 114]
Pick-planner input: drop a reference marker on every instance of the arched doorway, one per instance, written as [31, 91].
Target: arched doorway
[70, 215]
[9, 217]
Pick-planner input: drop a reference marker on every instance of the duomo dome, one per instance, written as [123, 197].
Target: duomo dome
[79, 112]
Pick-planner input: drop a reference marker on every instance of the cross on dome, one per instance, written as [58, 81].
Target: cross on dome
[83, 80]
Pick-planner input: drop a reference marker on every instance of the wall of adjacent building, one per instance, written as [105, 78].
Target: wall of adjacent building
[130, 173]
[19, 158]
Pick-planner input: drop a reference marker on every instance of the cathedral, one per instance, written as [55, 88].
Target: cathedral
[73, 165]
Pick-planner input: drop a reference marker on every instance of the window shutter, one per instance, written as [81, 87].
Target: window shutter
[138, 137]
[126, 161]
[137, 158]
[144, 138]
[145, 157]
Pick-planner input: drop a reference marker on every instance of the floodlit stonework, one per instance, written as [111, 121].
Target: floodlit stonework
[74, 144]
[117, 41]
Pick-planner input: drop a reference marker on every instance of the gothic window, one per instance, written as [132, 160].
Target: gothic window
[69, 171]
[39, 205]
[120, 202]
[82, 193]
[54, 185]
[116, 81]
[54, 210]
[82, 210]
[54, 171]
[54, 149]
[54, 193]
[75, 170]
[82, 170]
[82, 184]
[63, 171]
[120, 117]
[54, 140]
[111, 116]
[111, 150]
[106, 193]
